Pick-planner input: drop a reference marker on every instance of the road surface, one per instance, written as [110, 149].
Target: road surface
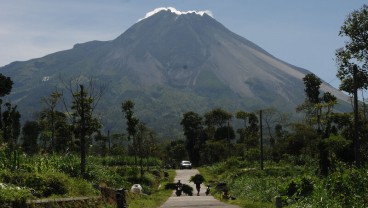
[200, 201]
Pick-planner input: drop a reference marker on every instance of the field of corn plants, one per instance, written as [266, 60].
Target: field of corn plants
[25, 177]
[297, 185]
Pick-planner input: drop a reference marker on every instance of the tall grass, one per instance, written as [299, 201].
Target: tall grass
[158, 196]
[295, 181]
[56, 175]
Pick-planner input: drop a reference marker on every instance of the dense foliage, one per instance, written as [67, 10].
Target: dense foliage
[43, 176]
[297, 185]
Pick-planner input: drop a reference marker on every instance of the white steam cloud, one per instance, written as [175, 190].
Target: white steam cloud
[175, 11]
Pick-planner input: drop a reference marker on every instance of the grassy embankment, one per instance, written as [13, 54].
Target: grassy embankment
[296, 181]
[157, 198]
[58, 176]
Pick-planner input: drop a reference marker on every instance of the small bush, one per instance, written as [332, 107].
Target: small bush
[10, 194]
[43, 185]
[171, 186]
[349, 186]
[55, 185]
[298, 188]
[156, 173]
[187, 190]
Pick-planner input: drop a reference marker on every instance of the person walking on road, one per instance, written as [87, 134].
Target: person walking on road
[198, 187]
[198, 179]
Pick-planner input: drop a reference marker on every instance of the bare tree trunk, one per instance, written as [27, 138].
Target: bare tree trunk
[356, 118]
[82, 136]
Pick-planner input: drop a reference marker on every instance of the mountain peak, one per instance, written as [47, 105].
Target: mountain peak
[175, 11]
[169, 63]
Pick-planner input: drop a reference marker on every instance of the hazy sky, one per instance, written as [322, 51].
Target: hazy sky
[302, 33]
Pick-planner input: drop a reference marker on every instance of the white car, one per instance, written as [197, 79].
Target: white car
[185, 164]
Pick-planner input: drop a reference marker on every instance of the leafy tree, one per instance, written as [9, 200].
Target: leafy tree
[319, 113]
[318, 109]
[279, 147]
[84, 124]
[218, 127]
[312, 84]
[249, 134]
[84, 102]
[339, 148]
[56, 133]
[116, 144]
[273, 121]
[132, 125]
[355, 51]
[352, 60]
[225, 132]
[145, 144]
[302, 140]
[193, 131]
[273, 124]
[30, 132]
[217, 117]
[213, 152]
[151, 146]
[175, 152]
[342, 126]
[63, 133]
[49, 115]
[100, 144]
[6, 85]
[11, 127]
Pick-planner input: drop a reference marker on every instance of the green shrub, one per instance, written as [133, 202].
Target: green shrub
[156, 173]
[349, 186]
[80, 187]
[298, 187]
[44, 185]
[56, 184]
[171, 186]
[111, 176]
[252, 154]
[187, 190]
[70, 166]
[261, 189]
[10, 194]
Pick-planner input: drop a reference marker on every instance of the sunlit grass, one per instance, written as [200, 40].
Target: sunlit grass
[157, 198]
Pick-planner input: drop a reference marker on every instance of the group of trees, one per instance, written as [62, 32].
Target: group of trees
[214, 136]
[143, 142]
[324, 134]
[9, 118]
[53, 130]
[211, 138]
[72, 128]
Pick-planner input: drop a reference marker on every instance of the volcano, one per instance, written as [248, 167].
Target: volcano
[168, 63]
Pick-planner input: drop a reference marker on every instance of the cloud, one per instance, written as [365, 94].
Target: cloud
[175, 11]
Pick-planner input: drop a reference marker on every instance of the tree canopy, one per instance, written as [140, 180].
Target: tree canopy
[355, 51]
[6, 85]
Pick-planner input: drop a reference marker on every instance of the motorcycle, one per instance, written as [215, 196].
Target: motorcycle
[179, 190]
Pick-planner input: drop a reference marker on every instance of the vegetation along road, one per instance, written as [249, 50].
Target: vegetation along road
[193, 201]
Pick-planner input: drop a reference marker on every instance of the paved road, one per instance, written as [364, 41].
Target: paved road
[193, 201]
